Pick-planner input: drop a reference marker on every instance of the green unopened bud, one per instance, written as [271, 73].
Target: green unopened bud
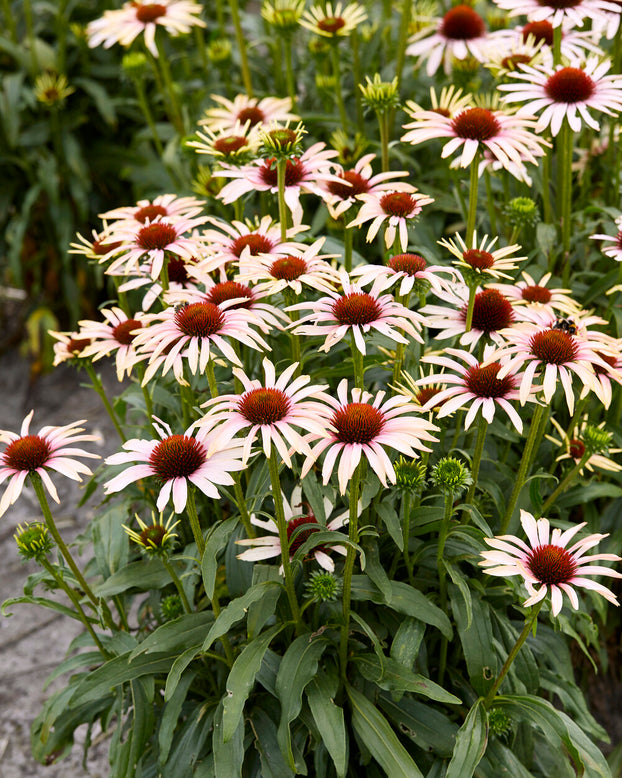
[380, 95]
[596, 439]
[283, 14]
[155, 539]
[219, 51]
[323, 586]
[171, 607]
[206, 183]
[522, 212]
[325, 82]
[451, 476]
[464, 73]
[281, 142]
[499, 722]
[410, 475]
[135, 65]
[33, 540]
[350, 149]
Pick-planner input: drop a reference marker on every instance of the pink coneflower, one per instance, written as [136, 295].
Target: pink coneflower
[357, 312]
[565, 93]
[272, 408]
[300, 526]
[459, 33]
[552, 354]
[610, 351]
[363, 427]
[302, 265]
[126, 24]
[507, 137]
[187, 333]
[548, 562]
[176, 460]
[179, 280]
[397, 208]
[68, 345]
[152, 242]
[450, 102]
[481, 261]
[232, 145]
[615, 249]
[341, 195]
[557, 11]
[96, 248]
[409, 270]
[169, 207]
[536, 294]
[308, 173]
[233, 295]
[532, 44]
[492, 312]
[474, 384]
[247, 110]
[242, 241]
[115, 334]
[50, 449]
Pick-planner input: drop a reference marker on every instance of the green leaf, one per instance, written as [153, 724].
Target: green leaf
[557, 726]
[236, 610]
[378, 736]
[298, 667]
[73, 663]
[110, 541]
[175, 635]
[177, 670]
[407, 642]
[242, 679]
[215, 542]
[273, 764]
[118, 671]
[404, 599]
[138, 575]
[391, 521]
[329, 719]
[170, 716]
[463, 587]
[394, 677]
[476, 640]
[228, 754]
[373, 637]
[261, 610]
[376, 571]
[471, 742]
[44, 603]
[428, 728]
[100, 97]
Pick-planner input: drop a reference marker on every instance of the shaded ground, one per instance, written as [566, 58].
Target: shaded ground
[33, 640]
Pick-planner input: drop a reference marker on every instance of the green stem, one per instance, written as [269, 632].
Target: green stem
[406, 506]
[193, 516]
[290, 299]
[356, 73]
[175, 117]
[565, 159]
[473, 186]
[99, 388]
[30, 34]
[211, 379]
[557, 45]
[242, 507]
[442, 577]
[492, 216]
[348, 570]
[529, 623]
[334, 54]
[178, 585]
[35, 480]
[546, 186]
[241, 43]
[477, 458]
[563, 485]
[358, 364]
[470, 307]
[348, 238]
[383, 124]
[70, 592]
[281, 523]
[281, 168]
[10, 21]
[403, 38]
[523, 467]
[289, 73]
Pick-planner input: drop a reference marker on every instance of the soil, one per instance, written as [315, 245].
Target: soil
[34, 640]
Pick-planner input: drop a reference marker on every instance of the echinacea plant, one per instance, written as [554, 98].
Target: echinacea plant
[366, 421]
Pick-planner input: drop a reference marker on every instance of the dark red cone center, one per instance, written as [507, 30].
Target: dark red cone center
[27, 453]
[476, 124]
[551, 564]
[177, 456]
[358, 423]
[356, 308]
[462, 23]
[123, 331]
[200, 320]
[569, 85]
[264, 405]
[554, 347]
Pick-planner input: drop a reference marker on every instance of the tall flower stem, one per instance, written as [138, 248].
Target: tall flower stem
[513, 653]
[211, 379]
[70, 592]
[402, 40]
[563, 485]
[289, 73]
[470, 307]
[523, 467]
[490, 200]
[348, 239]
[358, 364]
[281, 168]
[334, 54]
[383, 125]
[9, 20]
[193, 516]
[473, 187]
[176, 116]
[477, 456]
[442, 577]
[281, 523]
[178, 585]
[546, 186]
[99, 388]
[406, 509]
[290, 299]
[30, 34]
[98, 605]
[348, 569]
[566, 137]
[241, 43]
[356, 72]
[242, 507]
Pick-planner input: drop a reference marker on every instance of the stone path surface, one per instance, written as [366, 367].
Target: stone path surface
[34, 640]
